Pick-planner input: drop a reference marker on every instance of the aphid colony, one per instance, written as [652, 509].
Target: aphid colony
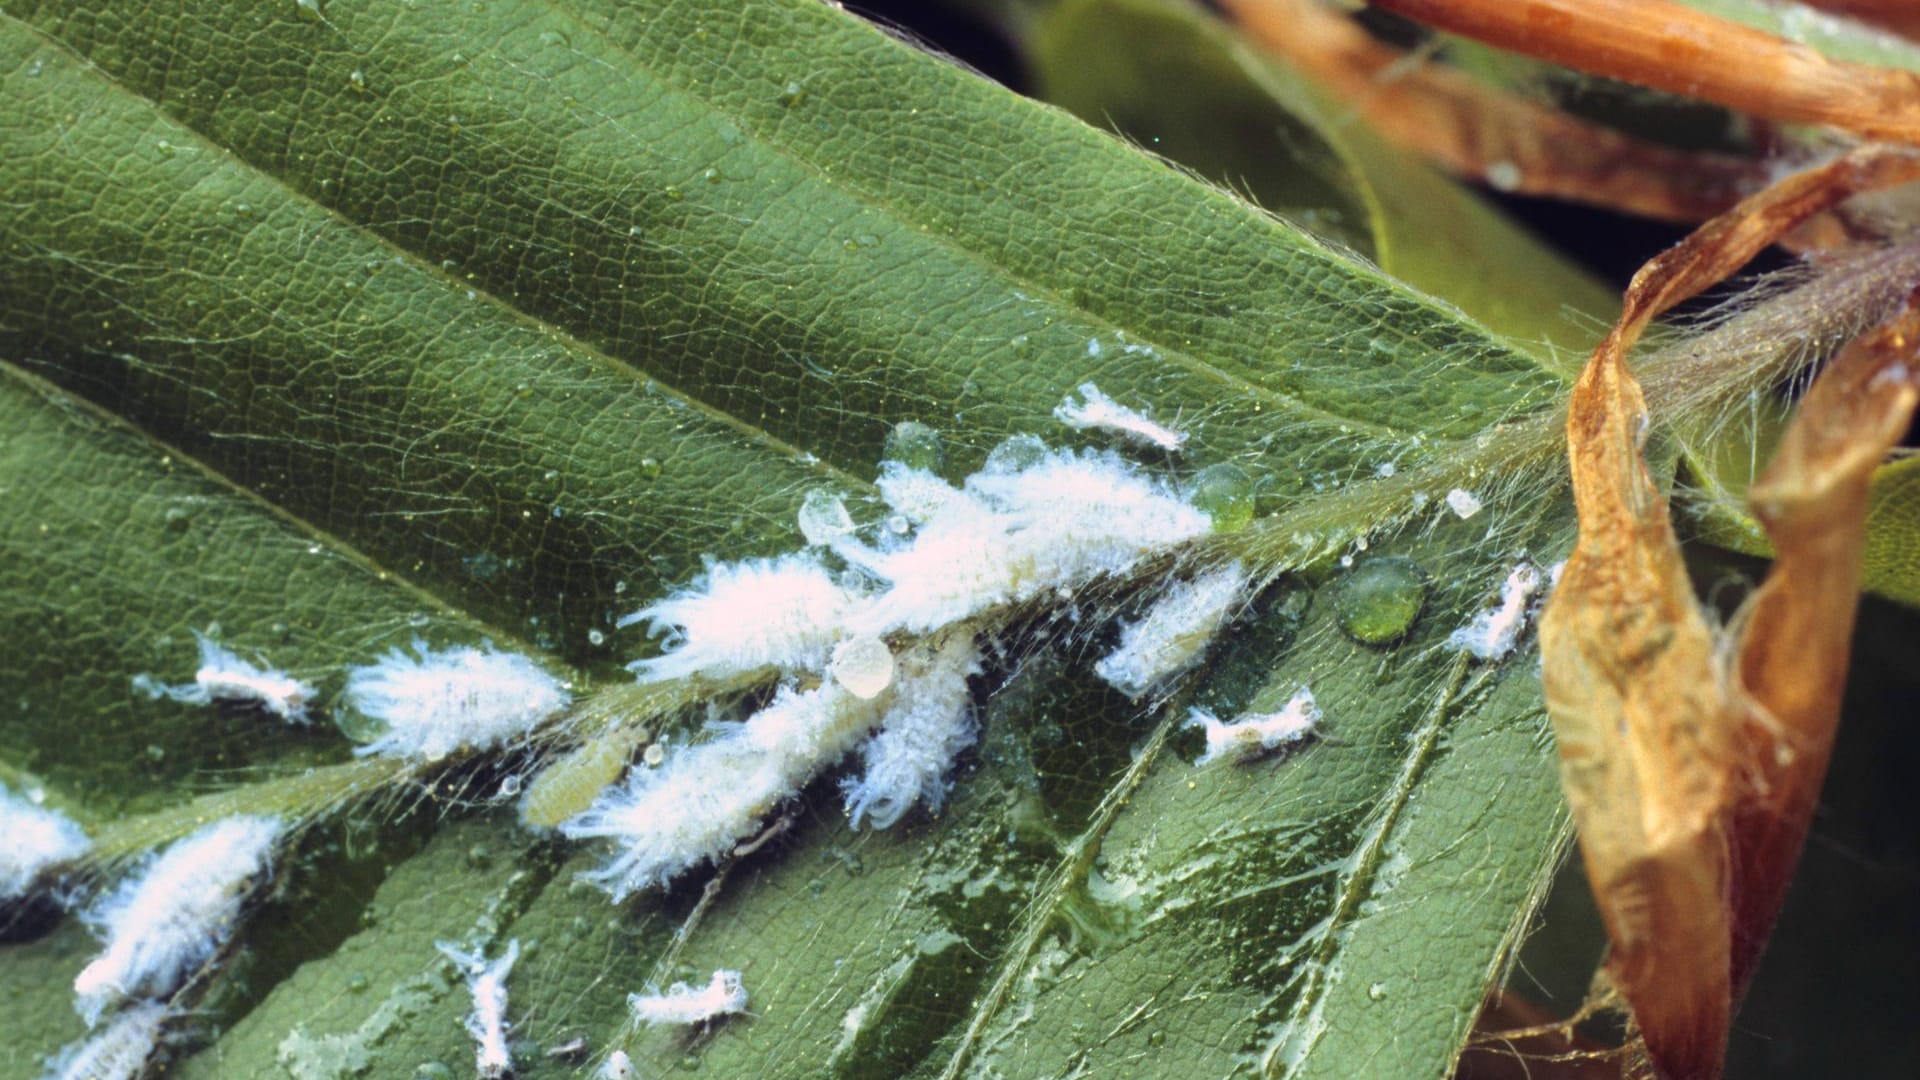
[937, 578]
[1034, 523]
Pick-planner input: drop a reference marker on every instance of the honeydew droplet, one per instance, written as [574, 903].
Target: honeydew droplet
[1379, 600]
[823, 517]
[1016, 453]
[653, 755]
[914, 445]
[357, 726]
[863, 665]
[1225, 493]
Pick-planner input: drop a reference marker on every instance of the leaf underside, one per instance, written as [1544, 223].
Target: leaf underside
[334, 326]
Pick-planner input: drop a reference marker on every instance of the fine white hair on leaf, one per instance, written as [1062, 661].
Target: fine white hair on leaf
[700, 802]
[168, 920]
[1492, 633]
[1097, 411]
[487, 1023]
[1257, 733]
[224, 676]
[119, 1051]
[930, 723]
[438, 701]
[1053, 524]
[723, 995]
[1175, 631]
[33, 838]
[782, 612]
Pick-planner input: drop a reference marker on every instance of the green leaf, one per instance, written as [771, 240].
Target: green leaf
[490, 323]
[1183, 84]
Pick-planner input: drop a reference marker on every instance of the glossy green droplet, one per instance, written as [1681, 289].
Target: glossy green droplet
[1225, 493]
[357, 726]
[914, 445]
[1378, 601]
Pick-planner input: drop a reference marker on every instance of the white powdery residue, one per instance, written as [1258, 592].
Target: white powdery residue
[224, 676]
[1492, 633]
[442, 700]
[723, 995]
[697, 804]
[487, 1023]
[171, 918]
[783, 612]
[120, 1051]
[1097, 411]
[1257, 733]
[1463, 503]
[33, 838]
[1054, 524]
[930, 723]
[1175, 631]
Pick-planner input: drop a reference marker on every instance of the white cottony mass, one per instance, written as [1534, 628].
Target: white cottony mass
[171, 918]
[224, 676]
[437, 701]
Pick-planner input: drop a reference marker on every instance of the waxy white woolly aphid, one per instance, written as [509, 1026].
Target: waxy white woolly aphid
[33, 838]
[172, 917]
[1492, 633]
[1259, 733]
[487, 1023]
[1052, 525]
[783, 612]
[618, 1066]
[224, 676]
[723, 995]
[1098, 411]
[1175, 631]
[442, 700]
[700, 802]
[929, 724]
[119, 1051]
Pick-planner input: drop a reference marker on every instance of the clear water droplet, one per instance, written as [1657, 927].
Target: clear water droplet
[914, 445]
[823, 518]
[1016, 453]
[1225, 493]
[357, 726]
[1379, 600]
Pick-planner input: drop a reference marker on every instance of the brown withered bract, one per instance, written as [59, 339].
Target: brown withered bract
[1691, 758]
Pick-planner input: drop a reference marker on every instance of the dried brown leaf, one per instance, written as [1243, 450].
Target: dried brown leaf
[1664, 45]
[1691, 758]
[1475, 131]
